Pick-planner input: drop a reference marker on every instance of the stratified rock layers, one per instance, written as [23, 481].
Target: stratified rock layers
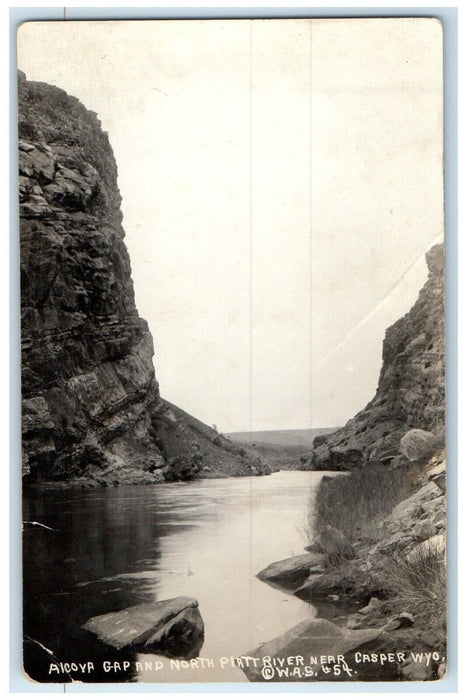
[411, 387]
[91, 407]
[87, 376]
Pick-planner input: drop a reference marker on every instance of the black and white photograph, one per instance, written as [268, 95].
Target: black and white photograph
[233, 406]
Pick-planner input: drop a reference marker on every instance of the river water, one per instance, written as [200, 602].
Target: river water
[108, 549]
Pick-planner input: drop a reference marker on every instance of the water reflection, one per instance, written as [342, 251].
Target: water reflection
[113, 548]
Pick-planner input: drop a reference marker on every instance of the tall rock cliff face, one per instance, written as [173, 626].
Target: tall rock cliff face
[411, 387]
[90, 400]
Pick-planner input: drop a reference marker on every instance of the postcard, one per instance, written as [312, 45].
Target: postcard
[232, 350]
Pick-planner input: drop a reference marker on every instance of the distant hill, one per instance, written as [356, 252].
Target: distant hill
[290, 438]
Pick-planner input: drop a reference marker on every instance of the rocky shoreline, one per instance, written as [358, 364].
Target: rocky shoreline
[385, 577]
[359, 615]
[92, 416]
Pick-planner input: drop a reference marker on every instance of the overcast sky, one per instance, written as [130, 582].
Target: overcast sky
[281, 181]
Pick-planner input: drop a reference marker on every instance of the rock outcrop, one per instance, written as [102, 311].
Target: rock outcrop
[91, 409]
[313, 650]
[391, 574]
[411, 387]
[289, 573]
[390, 588]
[171, 627]
[415, 526]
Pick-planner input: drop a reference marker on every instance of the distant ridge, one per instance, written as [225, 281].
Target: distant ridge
[303, 437]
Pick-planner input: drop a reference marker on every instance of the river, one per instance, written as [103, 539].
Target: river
[108, 549]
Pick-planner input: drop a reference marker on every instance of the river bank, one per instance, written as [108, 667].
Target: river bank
[387, 585]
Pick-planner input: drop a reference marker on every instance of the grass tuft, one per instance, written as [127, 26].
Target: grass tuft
[353, 503]
[416, 583]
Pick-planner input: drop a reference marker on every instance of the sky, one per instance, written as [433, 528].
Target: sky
[281, 182]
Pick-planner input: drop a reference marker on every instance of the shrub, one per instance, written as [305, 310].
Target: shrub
[417, 583]
[354, 502]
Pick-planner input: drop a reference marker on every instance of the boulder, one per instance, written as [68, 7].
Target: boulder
[319, 440]
[326, 458]
[313, 638]
[417, 444]
[411, 506]
[356, 621]
[441, 670]
[438, 468]
[417, 671]
[440, 481]
[374, 604]
[436, 505]
[424, 530]
[320, 586]
[395, 543]
[292, 572]
[313, 548]
[404, 619]
[333, 542]
[171, 627]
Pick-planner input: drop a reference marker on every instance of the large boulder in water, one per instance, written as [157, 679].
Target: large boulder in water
[290, 573]
[172, 627]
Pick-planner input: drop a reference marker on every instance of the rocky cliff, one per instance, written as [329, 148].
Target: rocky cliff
[411, 387]
[91, 410]
[376, 562]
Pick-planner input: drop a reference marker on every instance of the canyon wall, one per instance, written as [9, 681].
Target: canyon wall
[411, 386]
[91, 409]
